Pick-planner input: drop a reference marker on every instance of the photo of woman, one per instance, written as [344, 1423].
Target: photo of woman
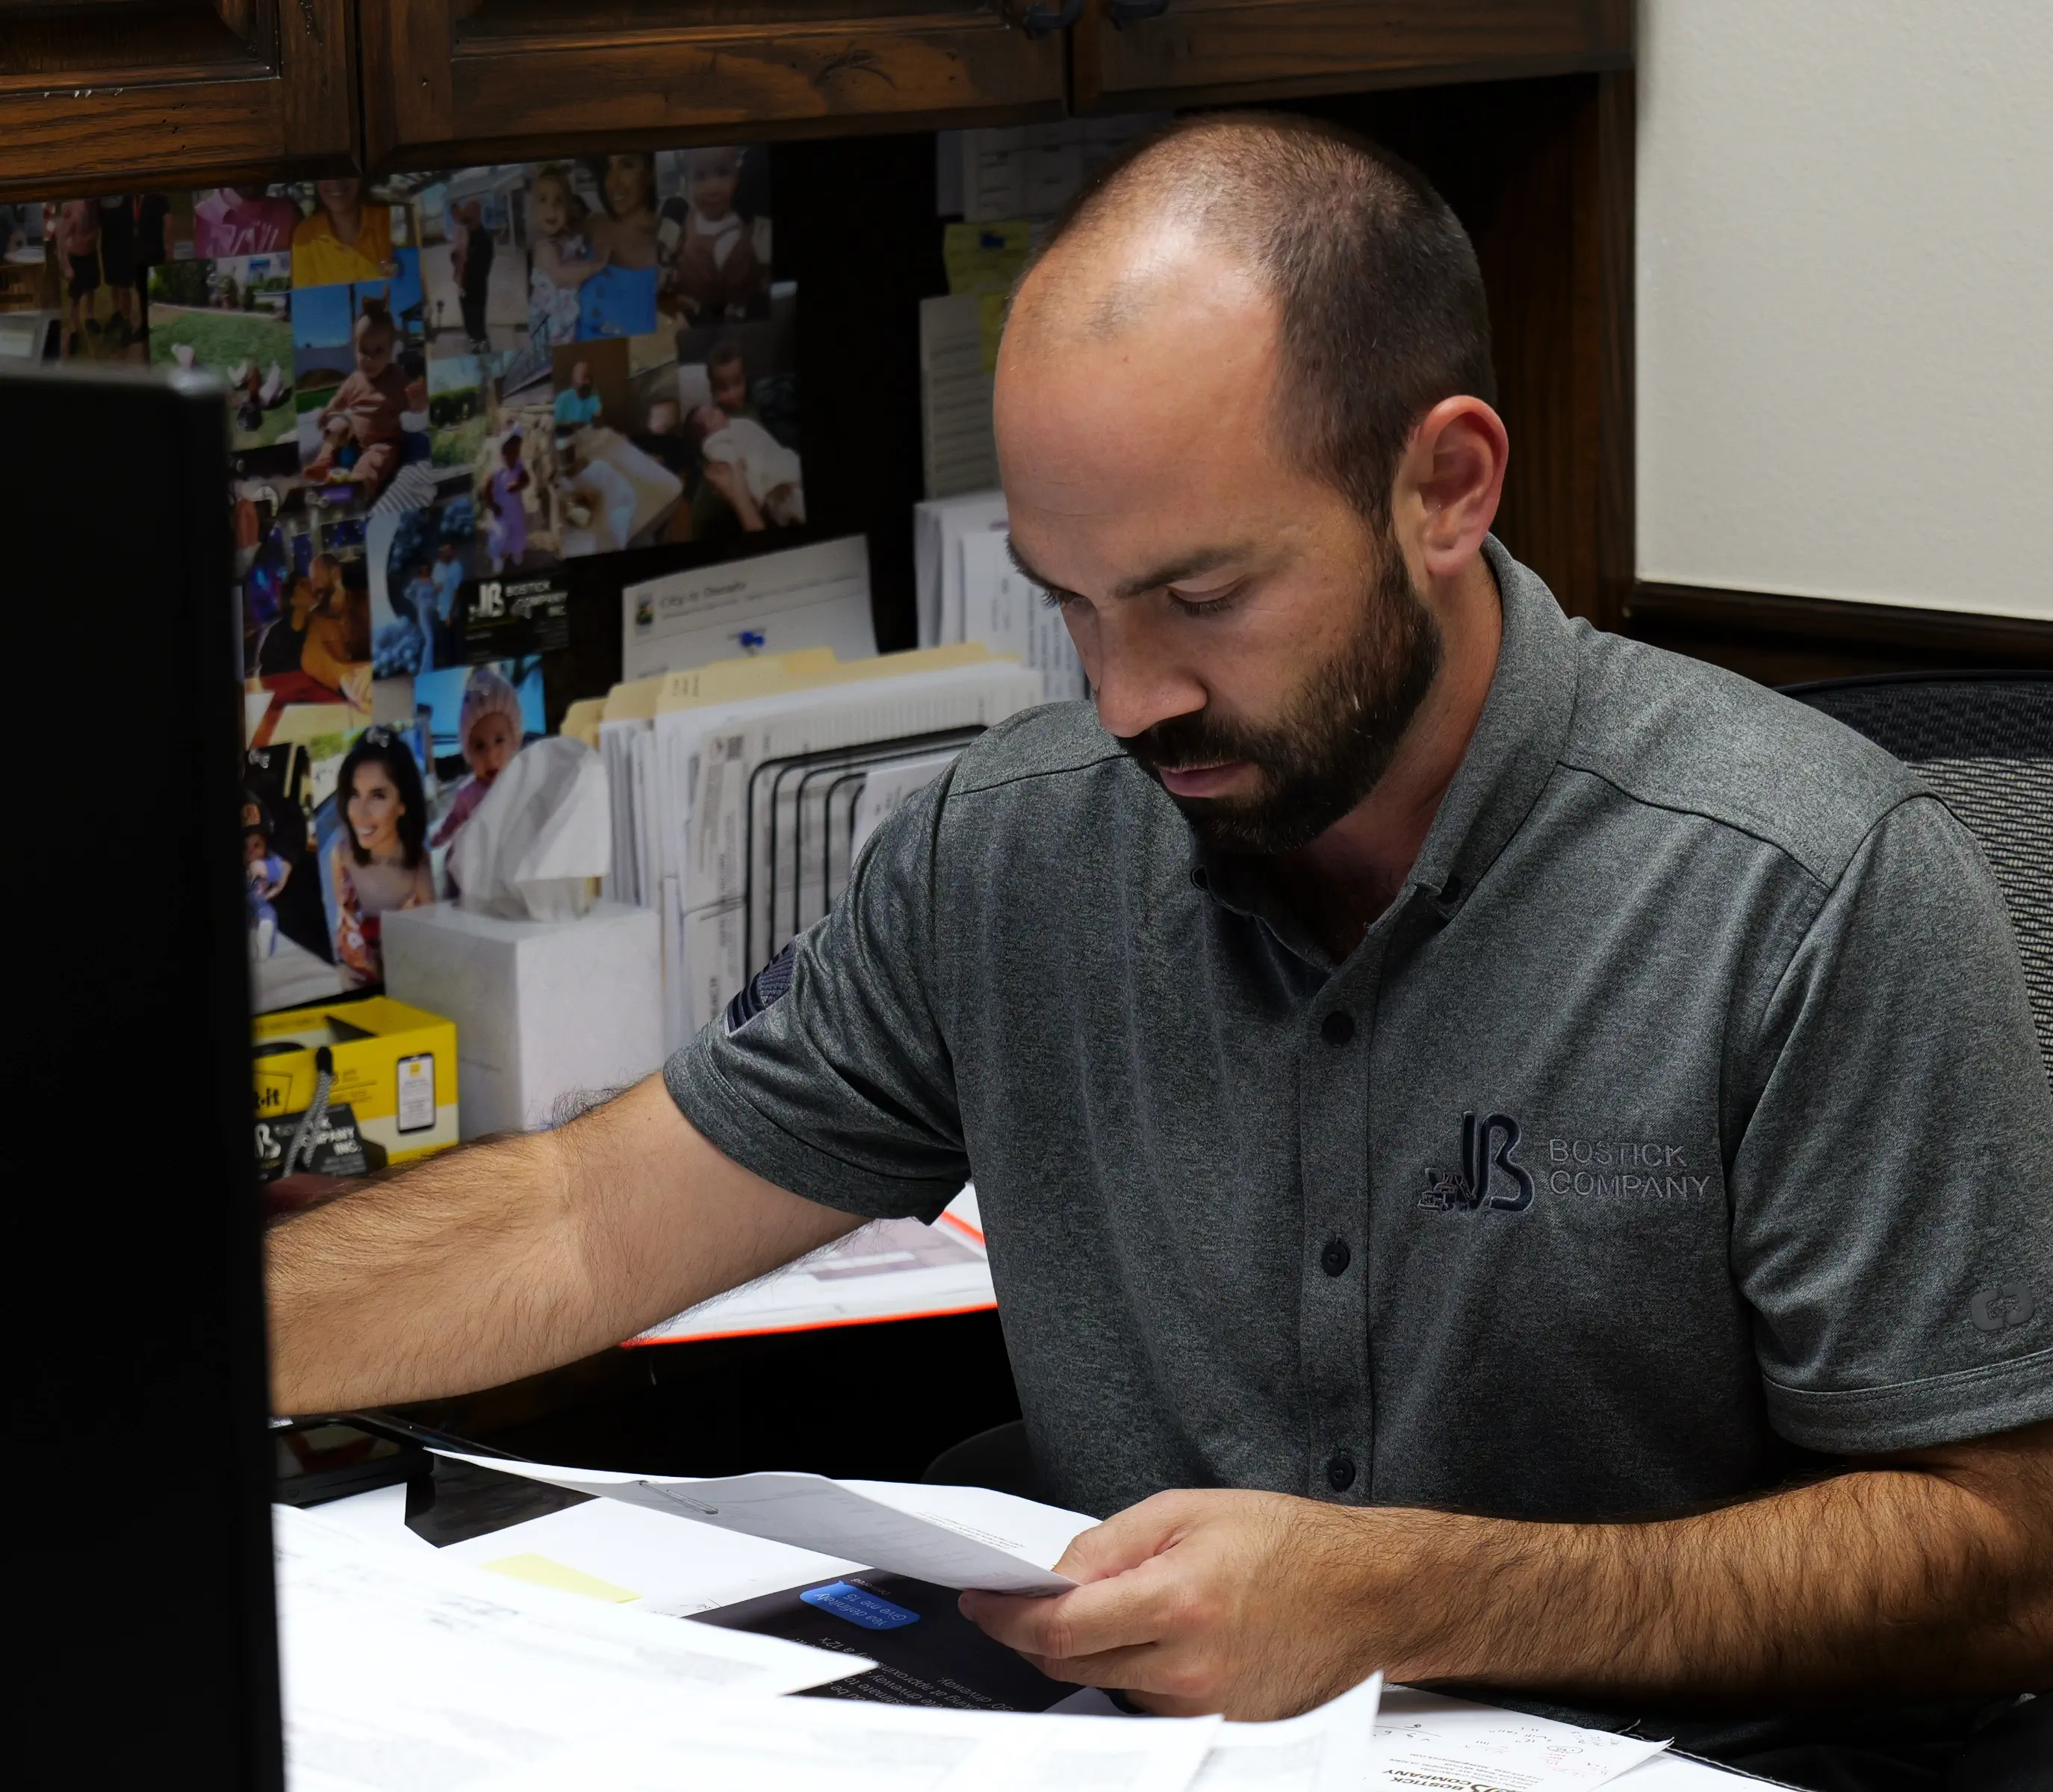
[620, 300]
[344, 238]
[377, 858]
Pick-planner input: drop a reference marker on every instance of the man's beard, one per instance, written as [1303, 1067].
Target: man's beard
[1335, 738]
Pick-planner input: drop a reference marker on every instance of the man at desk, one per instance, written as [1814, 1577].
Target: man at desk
[1510, 1157]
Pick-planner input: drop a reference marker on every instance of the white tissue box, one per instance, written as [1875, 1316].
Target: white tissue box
[543, 1009]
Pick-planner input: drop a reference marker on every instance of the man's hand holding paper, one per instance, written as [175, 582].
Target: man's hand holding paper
[1250, 1604]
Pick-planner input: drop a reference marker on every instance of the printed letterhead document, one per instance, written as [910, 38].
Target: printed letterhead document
[954, 1536]
[802, 597]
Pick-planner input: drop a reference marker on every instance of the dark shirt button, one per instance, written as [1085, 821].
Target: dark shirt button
[1340, 1473]
[1335, 1258]
[1337, 1028]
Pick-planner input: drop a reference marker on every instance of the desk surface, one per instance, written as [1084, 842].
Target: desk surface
[672, 1566]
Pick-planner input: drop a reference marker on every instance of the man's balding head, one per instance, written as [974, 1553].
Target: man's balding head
[1244, 430]
[1369, 282]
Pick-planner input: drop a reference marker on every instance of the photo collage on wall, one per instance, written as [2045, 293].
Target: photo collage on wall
[441, 386]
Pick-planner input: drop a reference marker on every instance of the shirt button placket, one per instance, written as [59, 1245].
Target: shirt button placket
[1333, 1147]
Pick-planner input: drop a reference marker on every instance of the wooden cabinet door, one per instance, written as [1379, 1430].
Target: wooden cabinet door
[1138, 53]
[489, 80]
[98, 95]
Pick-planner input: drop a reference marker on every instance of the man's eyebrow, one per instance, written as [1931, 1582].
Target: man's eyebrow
[1019, 560]
[1173, 572]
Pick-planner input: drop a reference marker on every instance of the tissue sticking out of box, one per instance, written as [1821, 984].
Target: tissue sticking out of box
[543, 831]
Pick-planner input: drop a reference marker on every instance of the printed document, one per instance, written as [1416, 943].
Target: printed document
[1424, 1740]
[1331, 1749]
[401, 1671]
[954, 1536]
[832, 1745]
[817, 596]
[1005, 610]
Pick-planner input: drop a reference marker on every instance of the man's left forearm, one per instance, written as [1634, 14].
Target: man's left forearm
[1933, 1574]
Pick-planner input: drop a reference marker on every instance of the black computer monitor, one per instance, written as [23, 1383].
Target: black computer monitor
[141, 1593]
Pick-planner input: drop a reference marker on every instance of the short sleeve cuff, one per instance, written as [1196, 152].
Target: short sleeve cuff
[1974, 1402]
[738, 1130]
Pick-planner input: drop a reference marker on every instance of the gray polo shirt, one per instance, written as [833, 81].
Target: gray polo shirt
[1681, 1119]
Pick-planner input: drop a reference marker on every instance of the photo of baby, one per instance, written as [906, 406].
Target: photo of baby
[727, 422]
[233, 316]
[362, 399]
[715, 236]
[480, 716]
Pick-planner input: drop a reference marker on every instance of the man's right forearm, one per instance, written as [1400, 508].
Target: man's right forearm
[481, 1266]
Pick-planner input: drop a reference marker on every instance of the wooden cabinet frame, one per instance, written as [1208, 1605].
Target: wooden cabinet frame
[442, 78]
[114, 96]
[1201, 51]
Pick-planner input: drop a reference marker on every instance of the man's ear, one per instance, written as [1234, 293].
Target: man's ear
[1449, 481]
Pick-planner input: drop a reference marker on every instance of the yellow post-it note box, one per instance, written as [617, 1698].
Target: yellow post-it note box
[394, 1069]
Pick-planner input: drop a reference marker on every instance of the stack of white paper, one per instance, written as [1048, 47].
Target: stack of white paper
[739, 821]
[827, 1745]
[400, 1671]
[968, 589]
[1005, 610]
[624, 719]
[939, 526]
[406, 1668]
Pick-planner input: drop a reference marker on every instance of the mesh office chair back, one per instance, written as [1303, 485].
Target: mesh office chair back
[1984, 743]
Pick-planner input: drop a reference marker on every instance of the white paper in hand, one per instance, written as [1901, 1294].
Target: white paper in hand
[992, 1542]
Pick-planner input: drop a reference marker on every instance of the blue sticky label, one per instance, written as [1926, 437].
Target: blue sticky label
[859, 1605]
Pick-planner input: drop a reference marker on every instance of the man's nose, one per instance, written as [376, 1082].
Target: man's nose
[1135, 689]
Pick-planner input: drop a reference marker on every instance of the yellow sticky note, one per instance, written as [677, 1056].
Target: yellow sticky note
[542, 1572]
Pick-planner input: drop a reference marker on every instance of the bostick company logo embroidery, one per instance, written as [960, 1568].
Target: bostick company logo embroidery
[1620, 1167]
[1490, 1176]
[1485, 1150]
